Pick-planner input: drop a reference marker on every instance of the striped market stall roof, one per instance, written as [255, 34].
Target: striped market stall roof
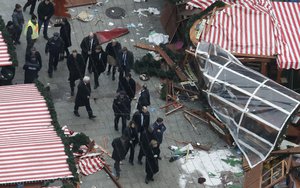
[257, 27]
[30, 149]
[4, 56]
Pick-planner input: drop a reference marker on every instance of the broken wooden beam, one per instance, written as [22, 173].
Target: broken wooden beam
[174, 110]
[294, 150]
[106, 169]
[189, 120]
[202, 118]
[186, 90]
[145, 46]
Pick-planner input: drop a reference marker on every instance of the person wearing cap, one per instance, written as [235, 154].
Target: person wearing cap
[31, 32]
[45, 12]
[144, 98]
[65, 34]
[126, 61]
[32, 66]
[18, 20]
[113, 49]
[88, 48]
[11, 29]
[121, 107]
[99, 62]
[76, 67]
[54, 46]
[83, 97]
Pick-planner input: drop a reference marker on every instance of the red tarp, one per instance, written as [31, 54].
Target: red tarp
[106, 36]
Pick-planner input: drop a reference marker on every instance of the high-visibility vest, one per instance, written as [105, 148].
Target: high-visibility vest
[35, 29]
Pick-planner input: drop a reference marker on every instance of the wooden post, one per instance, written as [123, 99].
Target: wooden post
[106, 169]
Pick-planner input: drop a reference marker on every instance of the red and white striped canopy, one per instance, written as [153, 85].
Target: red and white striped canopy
[257, 27]
[30, 149]
[4, 56]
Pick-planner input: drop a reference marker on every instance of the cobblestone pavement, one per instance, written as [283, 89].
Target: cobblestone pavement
[180, 173]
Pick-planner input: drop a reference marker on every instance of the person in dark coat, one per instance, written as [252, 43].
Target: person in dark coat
[28, 3]
[144, 98]
[158, 131]
[99, 62]
[32, 66]
[126, 61]
[131, 134]
[151, 153]
[54, 46]
[18, 20]
[141, 119]
[121, 107]
[76, 68]
[65, 34]
[119, 152]
[128, 85]
[11, 29]
[145, 138]
[88, 47]
[113, 48]
[45, 12]
[83, 97]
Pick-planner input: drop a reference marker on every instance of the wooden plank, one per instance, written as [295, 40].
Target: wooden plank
[145, 46]
[196, 146]
[186, 90]
[77, 3]
[106, 169]
[294, 150]
[253, 177]
[174, 110]
[189, 120]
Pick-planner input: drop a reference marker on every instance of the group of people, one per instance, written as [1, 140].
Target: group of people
[97, 61]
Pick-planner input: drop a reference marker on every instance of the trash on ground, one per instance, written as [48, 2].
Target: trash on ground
[85, 16]
[150, 10]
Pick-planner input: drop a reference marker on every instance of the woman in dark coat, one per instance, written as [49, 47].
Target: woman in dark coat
[119, 145]
[83, 97]
[131, 134]
[76, 68]
[32, 66]
[99, 63]
[65, 34]
[151, 160]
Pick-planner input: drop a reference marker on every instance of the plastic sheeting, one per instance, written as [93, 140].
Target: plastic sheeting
[254, 108]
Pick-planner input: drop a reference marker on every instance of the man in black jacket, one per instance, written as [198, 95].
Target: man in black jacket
[144, 99]
[18, 20]
[113, 49]
[54, 46]
[141, 119]
[131, 134]
[31, 33]
[99, 62]
[45, 12]
[88, 47]
[128, 85]
[76, 68]
[83, 97]
[151, 153]
[126, 61]
[120, 147]
[32, 66]
[65, 34]
[121, 107]
[145, 138]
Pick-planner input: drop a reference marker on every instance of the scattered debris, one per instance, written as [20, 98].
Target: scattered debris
[85, 16]
[111, 24]
[158, 38]
[151, 10]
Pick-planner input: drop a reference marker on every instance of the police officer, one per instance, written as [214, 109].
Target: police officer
[32, 66]
[31, 32]
[54, 46]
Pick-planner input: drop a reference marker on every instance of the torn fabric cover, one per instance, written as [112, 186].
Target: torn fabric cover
[255, 109]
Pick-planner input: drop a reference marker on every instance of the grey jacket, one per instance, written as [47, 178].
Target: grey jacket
[18, 19]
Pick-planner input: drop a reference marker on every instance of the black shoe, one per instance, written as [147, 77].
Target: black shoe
[108, 73]
[76, 114]
[24, 9]
[151, 179]
[131, 162]
[55, 68]
[18, 42]
[159, 158]
[90, 71]
[46, 37]
[50, 75]
[140, 162]
[92, 116]
[113, 78]
[96, 86]
[116, 129]
[72, 93]
[146, 181]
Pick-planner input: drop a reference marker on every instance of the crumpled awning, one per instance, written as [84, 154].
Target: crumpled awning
[255, 109]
